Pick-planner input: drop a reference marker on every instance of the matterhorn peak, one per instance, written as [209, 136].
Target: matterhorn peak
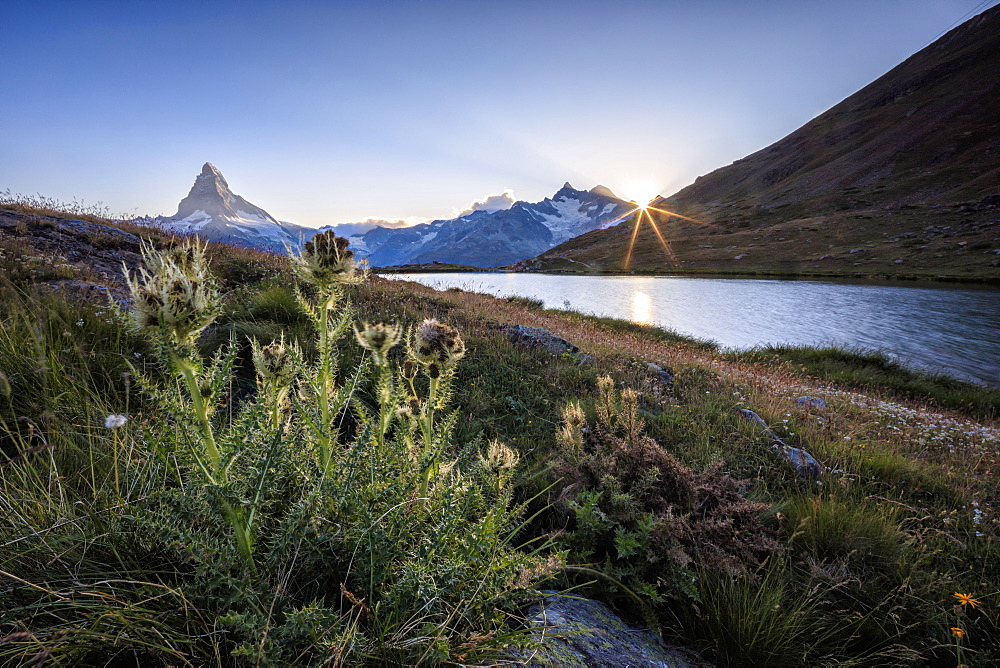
[210, 197]
[212, 211]
[208, 169]
[567, 186]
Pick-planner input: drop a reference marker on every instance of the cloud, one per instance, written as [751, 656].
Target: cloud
[352, 229]
[504, 200]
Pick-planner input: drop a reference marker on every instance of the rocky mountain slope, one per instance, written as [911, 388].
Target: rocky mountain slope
[901, 178]
[494, 238]
[214, 212]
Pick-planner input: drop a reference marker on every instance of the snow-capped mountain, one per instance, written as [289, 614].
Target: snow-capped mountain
[483, 238]
[212, 211]
[496, 238]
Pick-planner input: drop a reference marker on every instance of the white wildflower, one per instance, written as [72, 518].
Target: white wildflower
[115, 421]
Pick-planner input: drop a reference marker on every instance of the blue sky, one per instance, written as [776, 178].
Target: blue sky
[330, 112]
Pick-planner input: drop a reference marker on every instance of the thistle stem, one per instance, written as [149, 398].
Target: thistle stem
[201, 412]
[323, 437]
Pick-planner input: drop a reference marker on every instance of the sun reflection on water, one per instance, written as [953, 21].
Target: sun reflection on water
[642, 308]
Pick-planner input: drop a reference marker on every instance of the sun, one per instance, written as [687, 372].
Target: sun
[640, 192]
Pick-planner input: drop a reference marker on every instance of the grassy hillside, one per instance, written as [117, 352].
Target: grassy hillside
[900, 179]
[339, 499]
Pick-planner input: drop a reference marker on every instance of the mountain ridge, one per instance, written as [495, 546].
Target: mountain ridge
[900, 178]
[496, 238]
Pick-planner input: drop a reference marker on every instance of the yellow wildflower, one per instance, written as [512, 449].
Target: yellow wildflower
[966, 599]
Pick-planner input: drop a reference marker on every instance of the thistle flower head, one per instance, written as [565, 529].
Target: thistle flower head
[274, 363]
[177, 293]
[570, 434]
[573, 415]
[437, 343]
[500, 457]
[378, 340]
[325, 261]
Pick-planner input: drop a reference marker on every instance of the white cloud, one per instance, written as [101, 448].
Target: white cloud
[409, 221]
[504, 200]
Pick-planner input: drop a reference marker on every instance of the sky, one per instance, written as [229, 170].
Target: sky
[334, 112]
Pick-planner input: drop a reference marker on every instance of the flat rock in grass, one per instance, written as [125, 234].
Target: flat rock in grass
[539, 338]
[811, 402]
[574, 632]
[806, 466]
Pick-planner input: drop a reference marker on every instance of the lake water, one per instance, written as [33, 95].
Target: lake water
[951, 329]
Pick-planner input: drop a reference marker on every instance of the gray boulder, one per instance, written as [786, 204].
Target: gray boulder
[539, 338]
[576, 632]
[806, 466]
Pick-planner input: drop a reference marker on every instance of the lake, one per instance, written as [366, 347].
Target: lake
[955, 329]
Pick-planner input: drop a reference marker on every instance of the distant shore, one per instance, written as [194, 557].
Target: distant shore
[444, 267]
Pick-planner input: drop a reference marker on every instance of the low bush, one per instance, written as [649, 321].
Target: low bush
[642, 518]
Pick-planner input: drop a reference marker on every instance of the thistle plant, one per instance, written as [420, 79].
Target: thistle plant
[327, 264]
[174, 298]
[435, 348]
[174, 293]
[379, 340]
[275, 365]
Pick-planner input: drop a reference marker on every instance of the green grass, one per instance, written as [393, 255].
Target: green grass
[651, 332]
[876, 371]
[123, 550]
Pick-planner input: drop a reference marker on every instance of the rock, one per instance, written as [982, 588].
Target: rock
[811, 402]
[578, 632]
[86, 230]
[660, 374]
[750, 416]
[806, 466]
[538, 337]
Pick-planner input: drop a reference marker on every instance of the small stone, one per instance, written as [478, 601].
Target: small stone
[538, 337]
[806, 466]
[663, 376]
[811, 402]
[750, 416]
